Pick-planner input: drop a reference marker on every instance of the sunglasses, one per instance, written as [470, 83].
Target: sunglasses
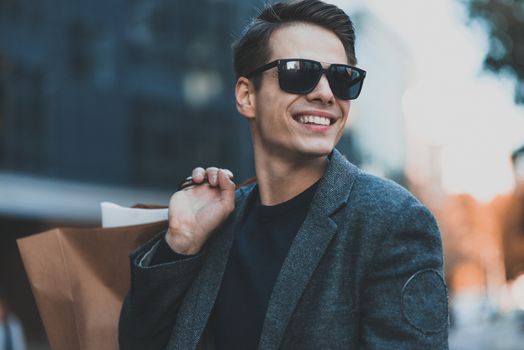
[300, 76]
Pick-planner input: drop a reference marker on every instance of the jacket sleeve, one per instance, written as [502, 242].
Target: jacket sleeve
[150, 308]
[404, 300]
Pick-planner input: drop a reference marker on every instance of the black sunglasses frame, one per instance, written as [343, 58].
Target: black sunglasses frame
[281, 65]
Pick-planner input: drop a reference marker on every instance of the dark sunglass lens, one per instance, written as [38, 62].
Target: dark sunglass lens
[298, 76]
[345, 82]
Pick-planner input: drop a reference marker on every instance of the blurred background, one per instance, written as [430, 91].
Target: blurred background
[118, 100]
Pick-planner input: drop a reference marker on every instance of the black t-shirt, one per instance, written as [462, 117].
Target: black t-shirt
[261, 244]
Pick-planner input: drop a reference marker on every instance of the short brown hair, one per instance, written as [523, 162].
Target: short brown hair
[252, 49]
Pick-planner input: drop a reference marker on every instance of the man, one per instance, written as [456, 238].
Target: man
[317, 254]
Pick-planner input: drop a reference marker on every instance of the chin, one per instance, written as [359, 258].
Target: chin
[319, 151]
[325, 147]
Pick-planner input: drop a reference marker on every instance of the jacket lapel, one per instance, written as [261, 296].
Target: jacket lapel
[198, 303]
[307, 248]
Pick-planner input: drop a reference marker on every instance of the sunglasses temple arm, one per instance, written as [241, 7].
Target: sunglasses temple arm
[262, 69]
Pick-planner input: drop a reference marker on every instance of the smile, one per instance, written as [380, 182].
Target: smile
[313, 119]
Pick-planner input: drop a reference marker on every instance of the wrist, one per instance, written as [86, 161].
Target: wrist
[181, 242]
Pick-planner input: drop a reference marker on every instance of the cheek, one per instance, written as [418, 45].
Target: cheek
[274, 109]
[346, 107]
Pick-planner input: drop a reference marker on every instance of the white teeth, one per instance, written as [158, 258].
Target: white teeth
[313, 119]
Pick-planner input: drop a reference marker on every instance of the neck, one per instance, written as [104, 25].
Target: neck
[280, 180]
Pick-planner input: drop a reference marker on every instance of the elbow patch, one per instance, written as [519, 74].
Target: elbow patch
[425, 301]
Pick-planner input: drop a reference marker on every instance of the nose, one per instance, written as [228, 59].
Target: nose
[322, 92]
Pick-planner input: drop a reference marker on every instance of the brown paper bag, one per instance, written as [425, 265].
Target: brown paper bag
[79, 278]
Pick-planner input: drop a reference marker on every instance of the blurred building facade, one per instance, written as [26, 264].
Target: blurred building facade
[129, 93]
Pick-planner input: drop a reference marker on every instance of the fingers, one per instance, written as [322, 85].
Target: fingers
[226, 186]
[212, 175]
[224, 180]
[200, 175]
[228, 173]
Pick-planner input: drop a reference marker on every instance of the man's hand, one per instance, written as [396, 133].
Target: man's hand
[196, 211]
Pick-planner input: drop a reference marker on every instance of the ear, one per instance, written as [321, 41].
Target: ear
[245, 97]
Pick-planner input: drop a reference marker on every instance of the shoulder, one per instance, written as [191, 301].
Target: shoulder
[380, 191]
[361, 189]
[387, 202]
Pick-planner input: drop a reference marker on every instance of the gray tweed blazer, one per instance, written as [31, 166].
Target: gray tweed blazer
[363, 272]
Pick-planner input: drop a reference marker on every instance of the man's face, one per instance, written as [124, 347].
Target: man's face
[283, 125]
